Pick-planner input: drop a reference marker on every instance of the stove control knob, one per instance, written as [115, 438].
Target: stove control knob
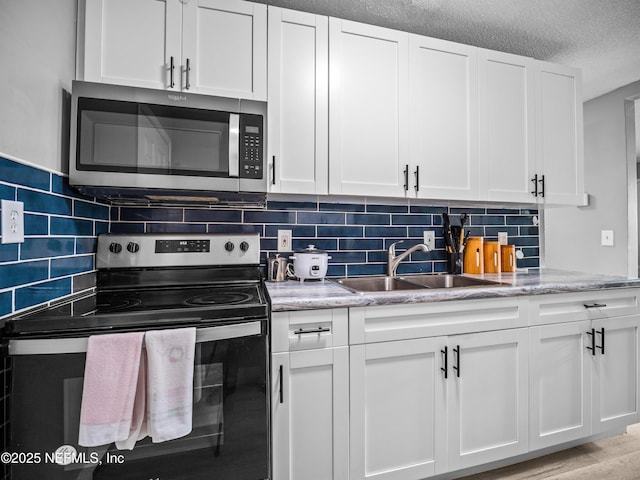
[229, 246]
[115, 247]
[244, 246]
[133, 247]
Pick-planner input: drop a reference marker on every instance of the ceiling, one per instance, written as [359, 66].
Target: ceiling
[600, 37]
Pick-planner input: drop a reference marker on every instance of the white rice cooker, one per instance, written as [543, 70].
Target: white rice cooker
[309, 263]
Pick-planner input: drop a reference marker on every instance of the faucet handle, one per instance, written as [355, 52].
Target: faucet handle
[392, 247]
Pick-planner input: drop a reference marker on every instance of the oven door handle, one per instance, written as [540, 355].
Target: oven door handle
[57, 346]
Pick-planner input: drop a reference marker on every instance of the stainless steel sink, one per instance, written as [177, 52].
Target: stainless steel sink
[377, 284]
[449, 281]
[413, 282]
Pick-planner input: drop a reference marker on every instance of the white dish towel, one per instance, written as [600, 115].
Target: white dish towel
[170, 355]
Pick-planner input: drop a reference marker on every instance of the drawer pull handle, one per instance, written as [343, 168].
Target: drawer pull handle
[445, 368]
[281, 385]
[592, 334]
[595, 305]
[302, 331]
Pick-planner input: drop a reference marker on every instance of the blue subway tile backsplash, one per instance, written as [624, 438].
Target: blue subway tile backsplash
[61, 227]
[60, 238]
[356, 235]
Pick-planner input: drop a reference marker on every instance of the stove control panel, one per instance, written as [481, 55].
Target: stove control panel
[186, 246]
[161, 250]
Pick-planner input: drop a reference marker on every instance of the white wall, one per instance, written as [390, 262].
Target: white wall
[572, 235]
[37, 54]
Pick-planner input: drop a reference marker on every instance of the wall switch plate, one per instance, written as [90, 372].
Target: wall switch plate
[606, 238]
[284, 240]
[12, 221]
[503, 238]
[429, 239]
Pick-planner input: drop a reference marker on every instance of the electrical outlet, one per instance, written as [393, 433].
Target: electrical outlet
[284, 240]
[503, 238]
[429, 239]
[606, 238]
[12, 221]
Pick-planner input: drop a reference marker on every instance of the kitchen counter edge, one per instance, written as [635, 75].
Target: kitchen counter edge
[312, 295]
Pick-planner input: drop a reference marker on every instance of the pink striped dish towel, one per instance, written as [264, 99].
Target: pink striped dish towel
[170, 355]
[109, 390]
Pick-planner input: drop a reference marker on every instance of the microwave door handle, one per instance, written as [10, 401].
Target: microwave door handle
[53, 346]
[234, 145]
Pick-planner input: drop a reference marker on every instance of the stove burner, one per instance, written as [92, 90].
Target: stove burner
[117, 304]
[218, 299]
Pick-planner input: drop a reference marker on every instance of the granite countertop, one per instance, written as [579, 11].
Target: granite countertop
[315, 294]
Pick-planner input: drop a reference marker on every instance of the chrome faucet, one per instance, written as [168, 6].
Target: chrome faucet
[393, 261]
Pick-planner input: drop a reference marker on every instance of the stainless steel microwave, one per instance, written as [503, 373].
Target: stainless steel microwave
[127, 138]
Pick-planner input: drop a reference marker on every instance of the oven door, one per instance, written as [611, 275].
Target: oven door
[230, 436]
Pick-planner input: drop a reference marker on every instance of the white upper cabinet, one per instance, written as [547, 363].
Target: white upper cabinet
[507, 127]
[215, 47]
[443, 110]
[298, 102]
[224, 48]
[132, 43]
[560, 134]
[368, 69]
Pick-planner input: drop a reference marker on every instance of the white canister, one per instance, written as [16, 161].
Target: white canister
[309, 263]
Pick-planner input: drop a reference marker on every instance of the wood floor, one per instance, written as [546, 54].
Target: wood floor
[615, 458]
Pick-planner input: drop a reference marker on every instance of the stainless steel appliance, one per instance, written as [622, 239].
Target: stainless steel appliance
[146, 282]
[126, 139]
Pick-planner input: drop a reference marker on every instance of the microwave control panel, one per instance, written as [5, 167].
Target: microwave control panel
[251, 146]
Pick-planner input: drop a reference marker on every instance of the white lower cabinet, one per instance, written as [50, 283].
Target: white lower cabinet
[310, 396]
[423, 403]
[615, 379]
[584, 379]
[398, 401]
[488, 397]
[408, 392]
[560, 383]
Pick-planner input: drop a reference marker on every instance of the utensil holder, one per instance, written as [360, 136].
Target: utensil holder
[455, 263]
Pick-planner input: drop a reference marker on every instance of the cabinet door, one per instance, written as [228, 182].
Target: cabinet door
[225, 45]
[560, 373]
[298, 105]
[443, 113]
[488, 397]
[132, 43]
[615, 392]
[368, 109]
[310, 413]
[559, 129]
[507, 127]
[398, 420]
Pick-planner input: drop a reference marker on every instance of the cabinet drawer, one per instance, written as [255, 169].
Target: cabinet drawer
[572, 307]
[401, 322]
[305, 330]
